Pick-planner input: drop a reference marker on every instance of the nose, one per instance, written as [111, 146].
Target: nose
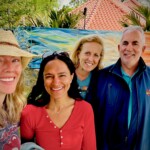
[90, 57]
[129, 47]
[56, 80]
[8, 65]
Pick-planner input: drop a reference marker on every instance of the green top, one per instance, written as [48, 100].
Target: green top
[83, 85]
[128, 79]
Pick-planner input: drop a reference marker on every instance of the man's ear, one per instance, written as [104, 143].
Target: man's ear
[118, 47]
[143, 49]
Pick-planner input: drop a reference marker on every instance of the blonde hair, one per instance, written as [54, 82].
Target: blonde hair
[13, 104]
[78, 47]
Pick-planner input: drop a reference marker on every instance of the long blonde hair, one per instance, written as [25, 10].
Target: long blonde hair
[13, 104]
[78, 47]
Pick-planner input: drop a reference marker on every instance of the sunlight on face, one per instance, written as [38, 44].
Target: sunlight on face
[10, 71]
[57, 78]
[131, 48]
[90, 55]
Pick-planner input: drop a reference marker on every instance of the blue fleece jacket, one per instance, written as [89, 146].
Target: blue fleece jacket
[111, 109]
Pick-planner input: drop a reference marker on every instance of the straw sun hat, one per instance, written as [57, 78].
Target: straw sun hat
[10, 47]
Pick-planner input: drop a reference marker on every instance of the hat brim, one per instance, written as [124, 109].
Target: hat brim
[14, 51]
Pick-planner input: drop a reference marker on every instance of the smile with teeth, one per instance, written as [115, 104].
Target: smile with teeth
[89, 64]
[7, 79]
[57, 89]
[128, 55]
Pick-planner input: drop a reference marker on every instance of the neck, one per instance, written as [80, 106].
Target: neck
[129, 70]
[81, 73]
[57, 105]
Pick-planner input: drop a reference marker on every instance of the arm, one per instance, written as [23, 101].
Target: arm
[89, 137]
[26, 126]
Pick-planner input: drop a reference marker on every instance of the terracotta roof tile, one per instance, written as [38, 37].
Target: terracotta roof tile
[104, 14]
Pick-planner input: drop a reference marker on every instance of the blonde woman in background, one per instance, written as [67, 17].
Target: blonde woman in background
[13, 61]
[87, 57]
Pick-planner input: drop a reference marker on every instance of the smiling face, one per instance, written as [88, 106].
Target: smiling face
[131, 48]
[57, 79]
[10, 71]
[89, 56]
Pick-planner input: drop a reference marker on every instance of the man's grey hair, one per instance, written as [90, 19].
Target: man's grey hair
[135, 28]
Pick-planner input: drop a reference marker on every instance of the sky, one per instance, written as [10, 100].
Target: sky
[64, 2]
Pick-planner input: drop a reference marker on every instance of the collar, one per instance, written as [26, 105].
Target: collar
[116, 68]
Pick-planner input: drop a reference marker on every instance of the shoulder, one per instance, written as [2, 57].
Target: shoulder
[83, 105]
[148, 68]
[32, 113]
[31, 109]
[106, 69]
[104, 72]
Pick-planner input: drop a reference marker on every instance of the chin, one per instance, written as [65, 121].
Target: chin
[9, 90]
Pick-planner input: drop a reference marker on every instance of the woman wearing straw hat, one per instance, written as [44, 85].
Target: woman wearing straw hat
[12, 62]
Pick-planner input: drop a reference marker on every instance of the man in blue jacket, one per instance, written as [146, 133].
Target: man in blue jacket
[122, 110]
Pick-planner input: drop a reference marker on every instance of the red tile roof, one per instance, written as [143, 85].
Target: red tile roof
[104, 14]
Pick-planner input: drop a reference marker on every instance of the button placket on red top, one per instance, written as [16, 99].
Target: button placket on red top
[51, 122]
[61, 137]
[60, 132]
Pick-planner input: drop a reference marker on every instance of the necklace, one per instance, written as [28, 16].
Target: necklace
[83, 85]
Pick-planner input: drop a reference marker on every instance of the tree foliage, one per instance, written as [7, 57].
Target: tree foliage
[39, 12]
[14, 13]
[11, 12]
[63, 18]
[139, 16]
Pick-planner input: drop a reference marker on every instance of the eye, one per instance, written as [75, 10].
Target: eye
[62, 75]
[97, 55]
[87, 53]
[125, 43]
[16, 59]
[48, 76]
[135, 43]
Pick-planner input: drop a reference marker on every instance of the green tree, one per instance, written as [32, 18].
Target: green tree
[139, 16]
[15, 13]
[11, 12]
[63, 18]
[39, 12]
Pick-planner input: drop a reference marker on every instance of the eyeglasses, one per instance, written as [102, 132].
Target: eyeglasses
[55, 53]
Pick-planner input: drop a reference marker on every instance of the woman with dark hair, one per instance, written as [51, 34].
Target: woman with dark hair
[55, 116]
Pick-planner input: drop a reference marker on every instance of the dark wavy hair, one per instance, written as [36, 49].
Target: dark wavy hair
[39, 95]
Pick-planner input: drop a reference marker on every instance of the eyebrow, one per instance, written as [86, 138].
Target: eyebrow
[128, 41]
[58, 73]
[135, 42]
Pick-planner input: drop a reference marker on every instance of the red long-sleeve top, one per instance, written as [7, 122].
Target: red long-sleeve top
[78, 133]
